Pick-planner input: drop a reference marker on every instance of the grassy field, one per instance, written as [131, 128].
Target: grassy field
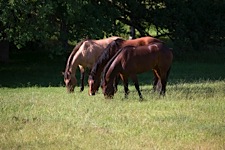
[37, 113]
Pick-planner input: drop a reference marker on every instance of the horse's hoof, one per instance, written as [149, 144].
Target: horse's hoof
[125, 97]
[108, 96]
[141, 99]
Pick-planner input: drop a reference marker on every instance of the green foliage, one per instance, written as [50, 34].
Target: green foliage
[26, 21]
[190, 24]
[194, 25]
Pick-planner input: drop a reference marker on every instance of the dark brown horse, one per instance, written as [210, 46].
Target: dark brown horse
[84, 55]
[95, 74]
[130, 61]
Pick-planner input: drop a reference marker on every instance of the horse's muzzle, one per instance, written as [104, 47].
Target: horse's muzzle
[108, 96]
[70, 89]
[91, 93]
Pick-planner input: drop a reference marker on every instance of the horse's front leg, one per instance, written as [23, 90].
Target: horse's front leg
[82, 74]
[136, 84]
[125, 85]
[116, 82]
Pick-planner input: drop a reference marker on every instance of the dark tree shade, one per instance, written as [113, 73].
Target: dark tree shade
[187, 23]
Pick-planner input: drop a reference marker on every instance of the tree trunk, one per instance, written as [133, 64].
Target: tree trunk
[132, 33]
[4, 51]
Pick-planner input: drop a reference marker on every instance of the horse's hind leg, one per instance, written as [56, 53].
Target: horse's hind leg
[164, 77]
[157, 80]
[136, 84]
[164, 82]
[82, 73]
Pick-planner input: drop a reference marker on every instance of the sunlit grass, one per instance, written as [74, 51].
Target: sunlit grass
[190, 116]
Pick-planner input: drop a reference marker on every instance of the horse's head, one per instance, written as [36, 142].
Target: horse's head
[93, 86]
[70, 81]
[108, 89]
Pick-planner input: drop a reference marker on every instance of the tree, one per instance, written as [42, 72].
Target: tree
[185, 21]
[193, 24]
[26, 21]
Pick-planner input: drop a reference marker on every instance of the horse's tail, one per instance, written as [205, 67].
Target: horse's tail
[110, 62]
[167, 74]
[76, 48]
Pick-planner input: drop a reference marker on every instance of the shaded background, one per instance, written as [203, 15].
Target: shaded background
[36, 37]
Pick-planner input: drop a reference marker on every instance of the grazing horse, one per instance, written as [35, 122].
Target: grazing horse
[95, 74]
[83, 55]
[130, 61]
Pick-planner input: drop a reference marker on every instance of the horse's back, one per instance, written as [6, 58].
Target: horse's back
[164, 52]
[143, 58]
[108, 53]
[141, 41]
[150, 40]
[88, 53]
[105, 42]
[163, 49]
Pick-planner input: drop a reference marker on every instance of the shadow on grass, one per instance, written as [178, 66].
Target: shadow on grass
[27, 69]
[189, 72]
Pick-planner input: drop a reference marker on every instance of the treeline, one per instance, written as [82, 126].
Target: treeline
[191, 25]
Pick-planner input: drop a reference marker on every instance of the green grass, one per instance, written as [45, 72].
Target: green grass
[37, 113]
[191, 116]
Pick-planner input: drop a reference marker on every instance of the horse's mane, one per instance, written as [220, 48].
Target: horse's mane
[106, 53]
[105, 56]
[110, 62]
[73, 53]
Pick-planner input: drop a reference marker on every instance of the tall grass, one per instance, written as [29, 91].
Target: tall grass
[191, 116]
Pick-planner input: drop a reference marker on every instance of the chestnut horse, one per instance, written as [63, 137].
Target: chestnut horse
[131, 60]
[95, 74]
[83, 55]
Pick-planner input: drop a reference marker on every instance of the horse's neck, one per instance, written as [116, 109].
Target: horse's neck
[73, 70]
[73, 65]
[113, 70]
[101, 63]
[96, 70]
